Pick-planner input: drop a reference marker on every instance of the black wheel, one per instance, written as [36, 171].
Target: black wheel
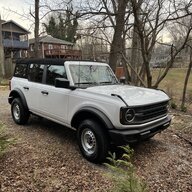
[92, 141]
[19, 113]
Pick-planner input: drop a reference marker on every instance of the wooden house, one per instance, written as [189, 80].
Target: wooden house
[13, 44]
[50, 47]
[14, 39]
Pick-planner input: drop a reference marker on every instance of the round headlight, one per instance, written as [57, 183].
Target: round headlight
[129, 115]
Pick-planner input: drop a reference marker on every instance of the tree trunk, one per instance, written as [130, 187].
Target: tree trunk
[143, 40]
[116, 46]
[2, 67]
[36, 31]
[124, 63]
[186, 81]
[135, 52]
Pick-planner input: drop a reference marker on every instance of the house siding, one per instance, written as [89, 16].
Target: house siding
[56, 51]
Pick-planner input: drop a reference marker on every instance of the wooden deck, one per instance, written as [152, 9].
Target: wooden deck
[63, 53]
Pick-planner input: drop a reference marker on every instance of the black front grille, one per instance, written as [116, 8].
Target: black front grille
[150, 112]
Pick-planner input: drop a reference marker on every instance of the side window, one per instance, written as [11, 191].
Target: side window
[21, 70]
[36, 73]
[55, 71]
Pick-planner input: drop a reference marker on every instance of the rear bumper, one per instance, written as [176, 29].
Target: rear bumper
[133, 135]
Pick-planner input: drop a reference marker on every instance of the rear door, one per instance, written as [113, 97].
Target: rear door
[33, 89]
[19, 79]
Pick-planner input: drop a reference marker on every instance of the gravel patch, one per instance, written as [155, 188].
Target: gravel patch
[45, 157]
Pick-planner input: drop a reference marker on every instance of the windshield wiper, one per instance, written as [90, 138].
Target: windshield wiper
[107, 82]
[86, 83]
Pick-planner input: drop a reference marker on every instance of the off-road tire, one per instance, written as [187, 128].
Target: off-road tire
[91, 130]
[19, 112]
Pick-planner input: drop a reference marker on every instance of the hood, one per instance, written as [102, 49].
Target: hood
[133, 96]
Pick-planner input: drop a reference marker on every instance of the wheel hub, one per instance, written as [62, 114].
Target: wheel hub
[88, 141]
[16, 111]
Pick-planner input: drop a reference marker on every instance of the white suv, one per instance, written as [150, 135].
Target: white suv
[86, 96]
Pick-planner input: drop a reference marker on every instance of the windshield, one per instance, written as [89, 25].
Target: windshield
[89, 75]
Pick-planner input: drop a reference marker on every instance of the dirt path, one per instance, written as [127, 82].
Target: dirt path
[46, 158]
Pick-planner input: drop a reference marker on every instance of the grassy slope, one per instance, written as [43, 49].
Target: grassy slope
[173, 85]
[174, 81]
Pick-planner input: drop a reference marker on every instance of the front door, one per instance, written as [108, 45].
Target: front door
[54, 101]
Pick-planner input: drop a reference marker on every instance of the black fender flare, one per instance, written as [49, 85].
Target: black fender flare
[94, 113]
[15, 94]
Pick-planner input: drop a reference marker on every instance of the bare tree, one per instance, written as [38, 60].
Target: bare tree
[135, 48]
[117, 42]
[186, 80]
[110, 16]
[36, 30]
[155, 16]
[150, 19]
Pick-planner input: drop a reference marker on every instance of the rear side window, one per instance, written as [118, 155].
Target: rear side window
[53, 72]
[20, 70]
[36, 73]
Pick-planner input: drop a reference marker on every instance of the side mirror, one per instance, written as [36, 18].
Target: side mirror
[62, 83]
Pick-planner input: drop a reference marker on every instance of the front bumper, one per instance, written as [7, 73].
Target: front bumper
[133, 135]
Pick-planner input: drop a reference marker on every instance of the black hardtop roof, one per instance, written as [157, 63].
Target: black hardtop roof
[48, 61]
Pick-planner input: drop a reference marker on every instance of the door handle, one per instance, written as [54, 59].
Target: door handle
[26, 88]
[44, 92]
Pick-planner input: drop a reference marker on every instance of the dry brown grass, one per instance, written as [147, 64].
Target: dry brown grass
[4, 81]
[173, 84]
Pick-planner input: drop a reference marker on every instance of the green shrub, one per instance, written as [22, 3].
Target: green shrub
[183, 108]
[173, 104]
[122, 173]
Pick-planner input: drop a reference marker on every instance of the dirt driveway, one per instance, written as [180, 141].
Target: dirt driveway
[45, 157]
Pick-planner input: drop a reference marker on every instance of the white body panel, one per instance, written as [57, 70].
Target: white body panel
[55, 104]
[32, 93]
[110, 106]
[134, 96]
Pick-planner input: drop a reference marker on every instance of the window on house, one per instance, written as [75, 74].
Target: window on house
[63, 47]
[50, 46]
